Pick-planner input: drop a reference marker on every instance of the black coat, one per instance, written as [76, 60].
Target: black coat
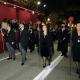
[59, 33]
[51, 39]
[23, 39]
[43, 44]
[75, 46]
[9, 37]
[63, 41]
[78, 52]
[31, 39]
[45, 47]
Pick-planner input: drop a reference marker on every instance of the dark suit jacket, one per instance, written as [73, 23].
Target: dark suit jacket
[10, 37]
[24, 39]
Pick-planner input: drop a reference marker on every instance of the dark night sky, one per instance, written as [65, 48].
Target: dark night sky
[60, 4]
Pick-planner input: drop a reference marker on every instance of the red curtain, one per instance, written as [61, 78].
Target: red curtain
[1, 44]
[10, 13]
[7, 12]
[24, 16]
[33, 17]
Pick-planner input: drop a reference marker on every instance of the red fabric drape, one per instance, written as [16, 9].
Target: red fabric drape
[33, 17]
[10, 13]
[24, 16]
[1, 43]
[7, 12]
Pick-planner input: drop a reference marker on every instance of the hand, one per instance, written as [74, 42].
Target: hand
[64, 38]
[78, 40]
[2, 33]
[12, 43]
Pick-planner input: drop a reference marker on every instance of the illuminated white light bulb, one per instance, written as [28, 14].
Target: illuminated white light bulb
[14, 6]
[48, 19]
[44, 5]
[33, 12]
[5, 3]
[38, 3]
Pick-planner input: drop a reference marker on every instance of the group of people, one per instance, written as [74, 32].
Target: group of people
[68, 34]
[75, 48]
[42, 37]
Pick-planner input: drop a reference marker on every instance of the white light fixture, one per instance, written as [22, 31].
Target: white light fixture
[14, 6]
[5, 3]
[48, 19]
[25, 9]
[38, 3]
[44, 5]
[33, 12]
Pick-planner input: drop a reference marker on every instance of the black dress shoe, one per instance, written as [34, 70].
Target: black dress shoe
[62, 55]
[14, 59]
[30, 51]
[65, 56]
[25, 59]
[77, 71]
[49, 63]
[22, 64]
[44, 65]
[9, 58]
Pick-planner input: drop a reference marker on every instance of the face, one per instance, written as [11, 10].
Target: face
[21, 27]
[43, 23]
[63, 25]
[4, 25]
[45, 30]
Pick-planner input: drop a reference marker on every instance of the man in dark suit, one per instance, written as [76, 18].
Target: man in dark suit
[64, 40]
[23, 42]
[9, 37]
[31, 40]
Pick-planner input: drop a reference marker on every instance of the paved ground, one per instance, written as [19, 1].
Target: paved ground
[12, 70]
[65, 70]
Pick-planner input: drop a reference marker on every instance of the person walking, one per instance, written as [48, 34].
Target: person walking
[9, 38]
[64, 40]
[23, 42]
[44, 47]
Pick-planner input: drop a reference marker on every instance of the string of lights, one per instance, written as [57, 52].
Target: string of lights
[16, 6]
